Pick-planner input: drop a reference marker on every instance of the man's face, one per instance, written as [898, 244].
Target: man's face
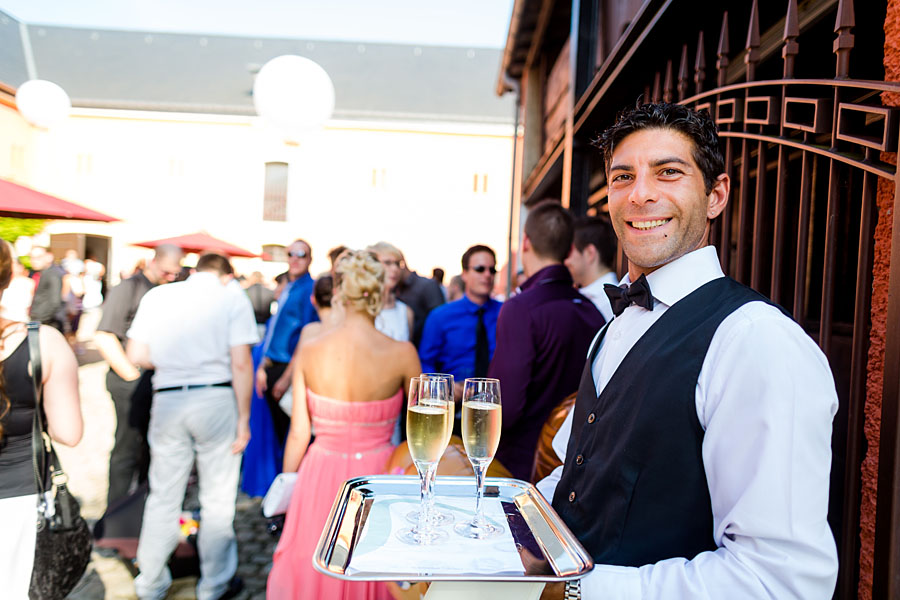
[392, 270]
[299, 257]
[578, 263]
[657, 198]
[164, 270]
[38, 257]
[479, 276]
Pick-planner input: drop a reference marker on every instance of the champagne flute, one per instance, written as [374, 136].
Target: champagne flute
[481, 420]
[435, 389]
[426, 435]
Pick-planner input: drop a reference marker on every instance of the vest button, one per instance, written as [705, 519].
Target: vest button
[579, 459]
[591, 417]
[572, 497]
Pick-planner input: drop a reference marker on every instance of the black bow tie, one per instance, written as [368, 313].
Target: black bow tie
[622, 297]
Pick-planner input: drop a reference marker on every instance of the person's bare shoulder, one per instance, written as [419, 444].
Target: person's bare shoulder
[404, 354]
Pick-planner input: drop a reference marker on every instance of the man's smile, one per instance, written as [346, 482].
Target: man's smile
[645, 225]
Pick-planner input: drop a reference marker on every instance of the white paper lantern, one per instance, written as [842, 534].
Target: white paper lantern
[43, 103]
[293, 94]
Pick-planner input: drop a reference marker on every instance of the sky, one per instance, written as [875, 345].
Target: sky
[469, 23]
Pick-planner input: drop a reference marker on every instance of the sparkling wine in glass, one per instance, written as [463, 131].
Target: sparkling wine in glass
[481, 420]
[426, 435]
[435, 389]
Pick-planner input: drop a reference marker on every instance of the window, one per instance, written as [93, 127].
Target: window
[274, 252]
[479, 183]
[275, 196]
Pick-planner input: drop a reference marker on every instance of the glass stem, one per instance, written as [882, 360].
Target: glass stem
[431, 474]
[479, 492]
[424, 516]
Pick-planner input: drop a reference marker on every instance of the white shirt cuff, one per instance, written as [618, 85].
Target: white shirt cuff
[607, 582]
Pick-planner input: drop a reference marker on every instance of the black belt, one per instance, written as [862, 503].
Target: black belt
[192, 386]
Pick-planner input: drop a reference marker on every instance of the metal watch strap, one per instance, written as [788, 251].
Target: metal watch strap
[573, 590]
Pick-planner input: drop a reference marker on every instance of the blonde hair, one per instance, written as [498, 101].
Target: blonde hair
[360, 279]
[385, 248]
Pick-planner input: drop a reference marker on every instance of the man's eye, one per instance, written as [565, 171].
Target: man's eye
[621, 177]
[671, 171]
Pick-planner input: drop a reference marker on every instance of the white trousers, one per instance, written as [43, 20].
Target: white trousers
[18, 522]
[186, 425]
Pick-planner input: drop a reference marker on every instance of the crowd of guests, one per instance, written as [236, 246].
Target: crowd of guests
[308, 375]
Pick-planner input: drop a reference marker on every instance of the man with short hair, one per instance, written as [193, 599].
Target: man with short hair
[591, 261]
[697, 457]
[47, 305]
[295, 309]
[459, 337]
[543, 334]
[421, 294]
[196, 334]
[128, 386]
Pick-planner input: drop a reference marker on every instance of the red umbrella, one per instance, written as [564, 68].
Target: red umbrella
[25, 203]
[200, 242]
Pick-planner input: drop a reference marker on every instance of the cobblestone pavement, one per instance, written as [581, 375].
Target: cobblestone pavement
[107, 577]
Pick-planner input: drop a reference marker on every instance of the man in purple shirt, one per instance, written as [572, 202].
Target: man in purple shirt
[543, 334]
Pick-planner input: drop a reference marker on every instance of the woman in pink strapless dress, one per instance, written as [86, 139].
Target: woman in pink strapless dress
[354, 379]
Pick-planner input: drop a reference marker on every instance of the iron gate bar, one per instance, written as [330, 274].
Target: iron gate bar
[759, 216]
[858, 372]
[803, 218]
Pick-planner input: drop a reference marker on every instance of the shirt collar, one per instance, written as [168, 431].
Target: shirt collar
[675, 280]
[471, 306]
[204, 277]
[548, 274]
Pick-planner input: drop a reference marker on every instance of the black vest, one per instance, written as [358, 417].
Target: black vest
[633, 489]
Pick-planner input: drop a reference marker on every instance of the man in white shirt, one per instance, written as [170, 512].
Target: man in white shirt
[697, 457]
[197, 334]
[591, 261]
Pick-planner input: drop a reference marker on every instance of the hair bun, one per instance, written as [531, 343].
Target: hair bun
[360, 280]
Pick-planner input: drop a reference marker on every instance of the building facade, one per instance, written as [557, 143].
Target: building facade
[163, 135]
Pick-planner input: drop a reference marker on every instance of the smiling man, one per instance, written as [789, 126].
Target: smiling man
[697, 457]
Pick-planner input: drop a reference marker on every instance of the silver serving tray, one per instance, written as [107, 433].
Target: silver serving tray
[548, 550]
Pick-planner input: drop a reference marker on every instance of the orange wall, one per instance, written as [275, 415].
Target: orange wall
[880, 277]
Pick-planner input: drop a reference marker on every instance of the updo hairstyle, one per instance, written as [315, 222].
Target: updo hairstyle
[360, 280]
[323, 290]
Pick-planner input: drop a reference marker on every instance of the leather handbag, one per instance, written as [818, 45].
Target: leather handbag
[63, 542]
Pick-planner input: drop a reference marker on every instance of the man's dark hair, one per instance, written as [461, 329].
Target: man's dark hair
[323, 290]
[215, 263]
[550, 227]
[697, 126]
[597, 232]
[474, 250]
[437, 274]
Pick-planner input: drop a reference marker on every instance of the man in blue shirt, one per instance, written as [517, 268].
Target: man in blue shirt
[459, 337]
[295, 310]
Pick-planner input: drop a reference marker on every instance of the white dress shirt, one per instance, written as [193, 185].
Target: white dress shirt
[190, 328]
[595, 292]
[766, 399]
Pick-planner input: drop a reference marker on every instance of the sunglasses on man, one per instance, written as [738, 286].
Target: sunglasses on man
[297, 253]
[482, 269]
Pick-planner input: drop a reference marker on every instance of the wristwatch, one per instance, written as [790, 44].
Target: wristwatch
[573, 590]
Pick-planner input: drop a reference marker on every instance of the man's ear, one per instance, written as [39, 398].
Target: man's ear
[526, 243]
[718, 196]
